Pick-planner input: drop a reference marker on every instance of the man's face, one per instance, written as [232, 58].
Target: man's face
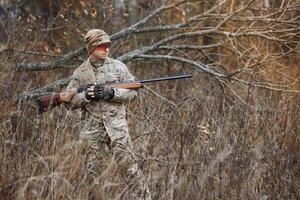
[101, 51]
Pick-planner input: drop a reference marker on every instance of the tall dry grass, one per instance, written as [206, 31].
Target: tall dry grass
[198, 146]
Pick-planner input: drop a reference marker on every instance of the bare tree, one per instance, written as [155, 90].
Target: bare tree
[256, 38]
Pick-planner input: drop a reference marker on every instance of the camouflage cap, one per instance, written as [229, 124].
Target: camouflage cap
[94, 38]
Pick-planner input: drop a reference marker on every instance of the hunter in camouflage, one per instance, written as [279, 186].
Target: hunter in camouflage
[105, 130]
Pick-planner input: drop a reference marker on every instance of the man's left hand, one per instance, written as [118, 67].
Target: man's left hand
[99, 92]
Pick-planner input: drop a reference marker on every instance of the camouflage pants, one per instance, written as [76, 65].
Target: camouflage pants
[104, 158]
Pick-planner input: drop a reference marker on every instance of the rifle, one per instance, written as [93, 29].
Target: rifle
[50, 101]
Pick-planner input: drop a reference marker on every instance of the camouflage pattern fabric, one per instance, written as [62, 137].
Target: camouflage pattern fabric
[111, 113]
[105, 131]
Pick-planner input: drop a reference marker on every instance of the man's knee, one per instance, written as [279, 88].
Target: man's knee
[123, 151]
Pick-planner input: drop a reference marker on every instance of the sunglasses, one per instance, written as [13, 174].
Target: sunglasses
[103, 47]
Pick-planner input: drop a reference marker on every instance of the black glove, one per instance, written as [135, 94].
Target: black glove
[99, 92]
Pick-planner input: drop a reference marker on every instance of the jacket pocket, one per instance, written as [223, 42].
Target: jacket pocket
[87, 78]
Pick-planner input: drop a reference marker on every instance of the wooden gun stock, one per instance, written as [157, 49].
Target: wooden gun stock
[50, 101]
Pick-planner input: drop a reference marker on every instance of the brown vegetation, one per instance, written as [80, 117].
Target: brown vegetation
[230, 132]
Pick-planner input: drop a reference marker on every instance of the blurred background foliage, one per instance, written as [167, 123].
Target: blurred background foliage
[230, 132]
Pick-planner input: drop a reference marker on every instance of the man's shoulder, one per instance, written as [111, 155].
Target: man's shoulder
[117, 63]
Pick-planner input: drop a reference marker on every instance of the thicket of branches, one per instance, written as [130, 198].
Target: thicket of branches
[230, 132]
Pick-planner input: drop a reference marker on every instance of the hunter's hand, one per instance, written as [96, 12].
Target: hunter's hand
[99, 92]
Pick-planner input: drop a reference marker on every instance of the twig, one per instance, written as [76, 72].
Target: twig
[188, 47]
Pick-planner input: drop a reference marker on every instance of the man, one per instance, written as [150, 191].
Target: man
[105, 129]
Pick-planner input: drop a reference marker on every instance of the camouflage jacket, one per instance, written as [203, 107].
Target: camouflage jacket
[111, 113]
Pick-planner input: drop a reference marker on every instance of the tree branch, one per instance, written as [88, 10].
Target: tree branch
[51, 65]
[200, 66]
[56, 86]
